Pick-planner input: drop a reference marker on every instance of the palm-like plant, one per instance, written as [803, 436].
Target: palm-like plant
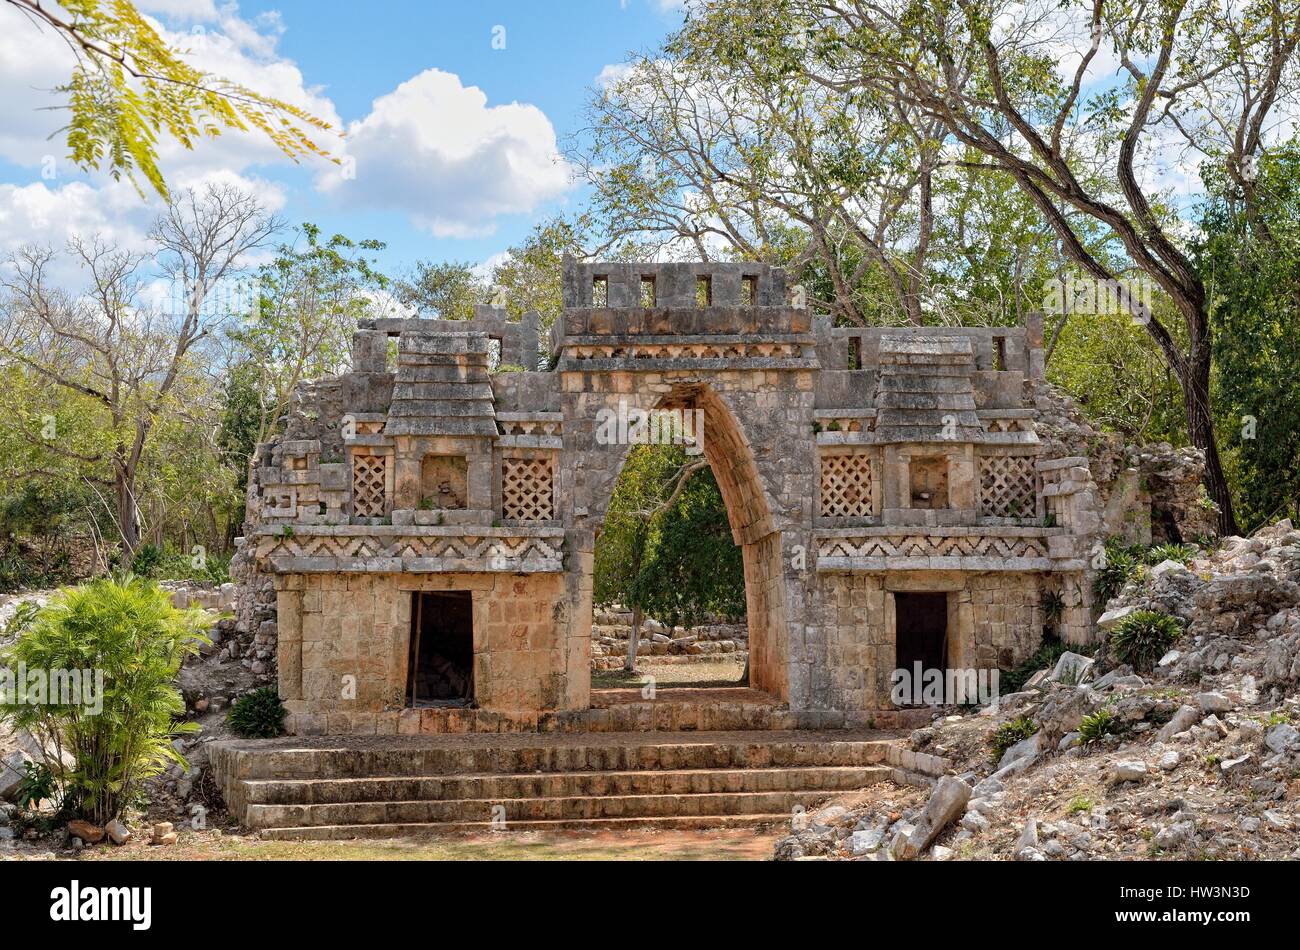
[128, 630]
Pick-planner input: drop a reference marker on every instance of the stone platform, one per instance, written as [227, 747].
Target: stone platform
[385, 786]
[681, 709]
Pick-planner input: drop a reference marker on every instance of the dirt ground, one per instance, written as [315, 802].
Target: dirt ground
[212, 845]
[723, 672]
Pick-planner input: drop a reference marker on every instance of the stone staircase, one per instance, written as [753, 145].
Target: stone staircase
[387, 786]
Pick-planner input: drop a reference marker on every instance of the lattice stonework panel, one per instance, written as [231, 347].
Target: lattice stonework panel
[846, 486]
[1007, 486]
[527, 490]
[369, 481]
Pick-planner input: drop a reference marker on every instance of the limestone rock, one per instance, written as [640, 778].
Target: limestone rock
[1130, 770]
[947, 801]
[86, 831]
[1182, 720]
[118, 833]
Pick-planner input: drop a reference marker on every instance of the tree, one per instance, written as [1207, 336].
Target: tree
[307, 303]
[124, 359]
[129, 86]
[665, 519]
[851, 192]
[1205, 75]
[1249, 260]
[531, 274]
[124, 643]
[448, 290]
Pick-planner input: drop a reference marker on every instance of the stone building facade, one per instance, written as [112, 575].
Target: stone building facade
[428, 524]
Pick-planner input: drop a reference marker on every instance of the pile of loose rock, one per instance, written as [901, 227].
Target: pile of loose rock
[612, 629]
[1197, 758]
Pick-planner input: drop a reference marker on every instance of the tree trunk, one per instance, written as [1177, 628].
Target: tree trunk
[128, 517]
[630, 663]
[1200, 429]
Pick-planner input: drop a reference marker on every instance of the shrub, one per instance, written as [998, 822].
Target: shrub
[1097, 726]
[1121, 567]
[119, 730]
[1143, 637]
[1009, 733]
[258, 715]
[1182, 553]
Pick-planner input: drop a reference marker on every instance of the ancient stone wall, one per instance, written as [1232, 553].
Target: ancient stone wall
[856, 465]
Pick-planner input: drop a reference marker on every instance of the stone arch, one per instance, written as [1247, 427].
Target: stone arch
[749, 501]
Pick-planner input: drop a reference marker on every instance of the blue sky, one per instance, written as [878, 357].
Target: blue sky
[440, 172]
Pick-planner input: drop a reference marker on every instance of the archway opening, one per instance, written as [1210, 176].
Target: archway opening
[687, 556]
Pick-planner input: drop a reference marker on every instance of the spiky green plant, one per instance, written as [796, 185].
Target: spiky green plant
[1182, 553]
[127, 630]
[1121, 566]
[1098, 725]
[1008, 734]
[1143, 637]
[258, 715]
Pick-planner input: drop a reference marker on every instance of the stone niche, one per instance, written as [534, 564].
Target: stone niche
[444, 482]
[928, 481]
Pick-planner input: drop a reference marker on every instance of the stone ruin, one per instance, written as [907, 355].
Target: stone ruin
[422, 534]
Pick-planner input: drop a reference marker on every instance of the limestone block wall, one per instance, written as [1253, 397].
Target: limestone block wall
[345, 638]
[995, 620]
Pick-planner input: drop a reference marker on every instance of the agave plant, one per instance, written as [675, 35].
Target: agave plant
[127, 633]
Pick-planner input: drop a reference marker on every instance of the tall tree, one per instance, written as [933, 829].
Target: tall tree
[307, 301]
[1020, 84]
[447, 290]
[1249, 258]
[123, 355]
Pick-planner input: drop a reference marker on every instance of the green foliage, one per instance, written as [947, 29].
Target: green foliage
[129, 86]
[1182, 553]
[166, 563]
[37, 785]
[1121, 567]
[258, 714]
[1143, 637]
[652, 557]
[1008, 734]
[443, 290]
[1096, 726]
[1248, 256]
[1080, 803]
[1053, 606]
[127, 630]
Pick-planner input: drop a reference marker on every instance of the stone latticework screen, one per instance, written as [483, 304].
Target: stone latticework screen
[1007, 486]
[846, 486]
[527, 489]
[369, 485]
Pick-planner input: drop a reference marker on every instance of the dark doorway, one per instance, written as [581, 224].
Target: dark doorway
[442, 650]
[921, 622]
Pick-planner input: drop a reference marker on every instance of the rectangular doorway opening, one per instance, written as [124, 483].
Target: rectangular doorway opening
[442, 650]
[921, 631]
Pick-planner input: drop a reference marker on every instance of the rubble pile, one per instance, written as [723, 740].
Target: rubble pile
[1196, 758]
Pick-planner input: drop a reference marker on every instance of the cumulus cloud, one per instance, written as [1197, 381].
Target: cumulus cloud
[435, 149]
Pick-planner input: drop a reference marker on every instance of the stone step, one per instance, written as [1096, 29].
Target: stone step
[512, 754]
[574, 808]
[557, 785]
[674, 823]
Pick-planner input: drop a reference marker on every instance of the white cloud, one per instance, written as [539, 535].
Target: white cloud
[435, 149]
